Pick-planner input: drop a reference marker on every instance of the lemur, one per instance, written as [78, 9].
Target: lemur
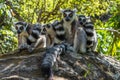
[75, 35]
[88, 26]
[56, 32]
[69, 22]
[29, 35]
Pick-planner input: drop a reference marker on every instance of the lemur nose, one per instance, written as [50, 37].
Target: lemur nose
[44, 30]
[18, 31]
[48, 26]
[67, 19]
[81, 23]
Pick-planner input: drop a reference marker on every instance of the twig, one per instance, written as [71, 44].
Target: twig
[17, 15]
[37, 3]
[114, 39]
[40, 13]
[53, 12]
[111, 30]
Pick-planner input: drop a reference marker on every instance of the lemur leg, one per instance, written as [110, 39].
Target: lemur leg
[20, 44]
[23, 43]
[80, 40]
[35, 45]
[44, 42]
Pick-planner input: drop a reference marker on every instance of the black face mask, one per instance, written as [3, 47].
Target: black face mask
[67, 19]
[18, 31]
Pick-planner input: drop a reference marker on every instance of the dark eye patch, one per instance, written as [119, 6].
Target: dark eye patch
[71, 14]
[16, 27]
[64, 15]
[84, 20]
[48, 26]
[80, 19]
[21, 28]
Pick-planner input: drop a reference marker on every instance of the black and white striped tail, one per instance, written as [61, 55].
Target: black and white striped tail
[49, 58]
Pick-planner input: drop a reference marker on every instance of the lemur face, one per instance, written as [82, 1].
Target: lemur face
[47, 28]
[20, 26]
[68, 14]
[83, 19]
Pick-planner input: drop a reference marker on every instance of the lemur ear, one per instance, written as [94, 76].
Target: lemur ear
[25, 23]
[15, 23]
[61, 10]
[75, 10]
[19, 22]
[88, 17]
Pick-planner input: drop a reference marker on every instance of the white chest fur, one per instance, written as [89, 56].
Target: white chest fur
[67, 26]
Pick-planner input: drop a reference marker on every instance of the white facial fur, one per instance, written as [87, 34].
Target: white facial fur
[68, 12]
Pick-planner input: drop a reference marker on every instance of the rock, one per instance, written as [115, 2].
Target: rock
[26, 66]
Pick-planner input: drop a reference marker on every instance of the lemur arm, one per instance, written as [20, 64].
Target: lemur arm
[22, 42]
[39, 41]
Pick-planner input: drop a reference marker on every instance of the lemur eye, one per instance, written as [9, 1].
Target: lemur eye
[84, 20]
[39, 30]
[80, 19]
[16, 27]
[64, 15]
[71, 15]
[48, 26]
[21, 28]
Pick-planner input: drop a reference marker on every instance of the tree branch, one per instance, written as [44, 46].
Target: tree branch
[111, 30]
[40, 13]
[17, 15]
[46, 17]
[37, 3]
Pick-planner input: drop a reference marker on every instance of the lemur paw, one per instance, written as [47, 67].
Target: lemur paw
[83, 51]
[30, 49]
[23, 46]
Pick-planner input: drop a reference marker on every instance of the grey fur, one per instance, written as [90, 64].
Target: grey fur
[80, 40]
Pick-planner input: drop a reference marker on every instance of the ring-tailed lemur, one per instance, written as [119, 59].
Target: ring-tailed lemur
[29, 35]
[56, 32]
[90, 32]
[69, 23]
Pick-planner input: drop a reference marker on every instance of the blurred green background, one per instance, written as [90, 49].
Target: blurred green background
[104, 13]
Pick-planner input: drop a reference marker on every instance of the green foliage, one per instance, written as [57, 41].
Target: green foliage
[8, 40]
[44, 11]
